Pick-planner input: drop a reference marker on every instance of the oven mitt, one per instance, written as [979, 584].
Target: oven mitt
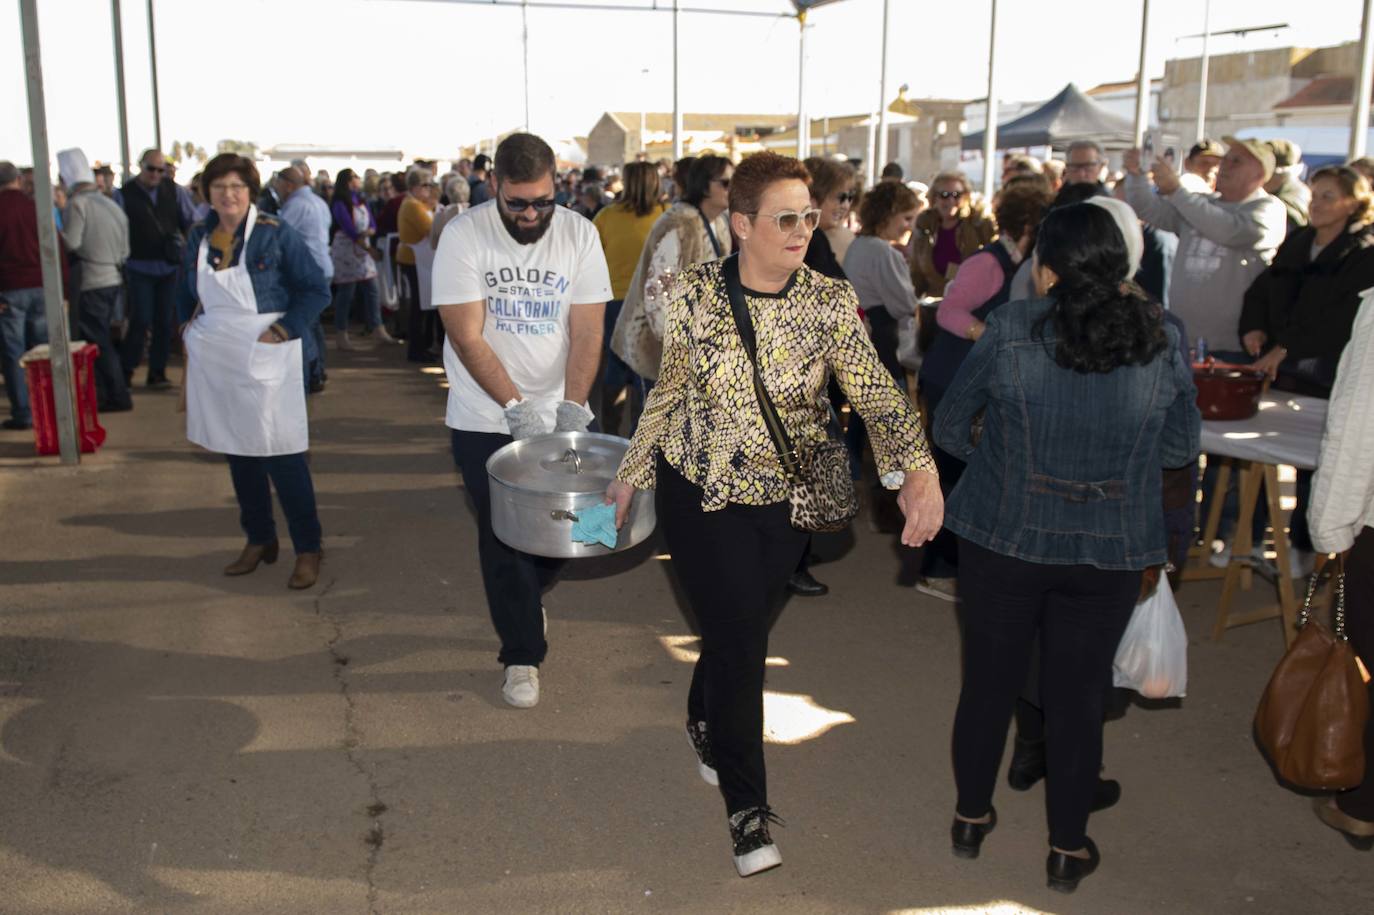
[572, 417]
[525, 420]
[596, 525]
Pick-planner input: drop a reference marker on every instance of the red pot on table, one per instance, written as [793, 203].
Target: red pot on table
[1227, 391]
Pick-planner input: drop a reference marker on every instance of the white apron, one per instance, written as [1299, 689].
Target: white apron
[242, 397]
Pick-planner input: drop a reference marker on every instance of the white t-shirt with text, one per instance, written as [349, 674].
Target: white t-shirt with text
[528, 291]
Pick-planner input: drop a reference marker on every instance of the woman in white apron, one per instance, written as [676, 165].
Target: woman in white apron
[248, 295]
[355, 272]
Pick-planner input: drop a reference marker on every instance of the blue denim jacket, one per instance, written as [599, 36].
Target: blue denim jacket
[1069, 465]
[285, 276]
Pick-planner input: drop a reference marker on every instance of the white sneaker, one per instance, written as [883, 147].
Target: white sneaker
[522, 686]
[1222, 557]
[943, 588]
[381, 336]
[344, 342]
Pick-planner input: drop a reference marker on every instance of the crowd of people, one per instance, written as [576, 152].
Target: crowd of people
[735, 320]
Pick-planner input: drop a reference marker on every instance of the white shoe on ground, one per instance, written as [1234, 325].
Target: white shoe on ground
[754, 849]
[943, 588]
[1222, 558]
[381, 336]
[344, 341]
[521, 688]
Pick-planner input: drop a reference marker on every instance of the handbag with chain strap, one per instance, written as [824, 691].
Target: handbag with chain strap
[1312, 717]
[821, 490]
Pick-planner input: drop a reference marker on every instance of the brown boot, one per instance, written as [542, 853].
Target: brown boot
[253, 553]
[307, 570]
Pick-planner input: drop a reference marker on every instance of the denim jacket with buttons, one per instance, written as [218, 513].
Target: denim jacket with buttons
[1068, 468]
[284, 274]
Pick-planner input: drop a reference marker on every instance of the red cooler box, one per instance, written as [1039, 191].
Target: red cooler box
[38, 372]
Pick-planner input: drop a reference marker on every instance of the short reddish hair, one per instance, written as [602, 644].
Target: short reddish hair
[224, 164]
[756, 174]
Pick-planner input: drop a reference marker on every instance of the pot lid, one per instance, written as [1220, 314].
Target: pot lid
[561, 462]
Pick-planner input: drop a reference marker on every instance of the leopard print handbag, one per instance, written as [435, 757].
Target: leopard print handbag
[821, 490]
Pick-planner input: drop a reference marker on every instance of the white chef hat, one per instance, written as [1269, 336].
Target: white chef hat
[73, 168]
[1129, 224]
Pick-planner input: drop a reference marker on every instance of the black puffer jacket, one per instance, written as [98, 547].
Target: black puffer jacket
[1309, 306]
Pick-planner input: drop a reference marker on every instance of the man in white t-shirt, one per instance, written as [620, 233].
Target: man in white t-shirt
[521, 285]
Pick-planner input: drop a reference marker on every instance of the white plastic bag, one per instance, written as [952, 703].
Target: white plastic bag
[1152, 658]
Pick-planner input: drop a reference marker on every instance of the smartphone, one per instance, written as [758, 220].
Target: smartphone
[1147, 152]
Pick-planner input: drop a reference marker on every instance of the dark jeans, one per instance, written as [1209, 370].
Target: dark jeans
[514, 581]
[372, 303]
[1080, 613]
[422, 327]
[23, 325]
[733, 565]
[290, 474]
[614, 380]
[1359, 625]
[150, 308]
[95, 310]
[941, 556]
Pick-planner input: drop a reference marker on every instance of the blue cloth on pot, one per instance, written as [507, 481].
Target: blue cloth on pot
[596, 525]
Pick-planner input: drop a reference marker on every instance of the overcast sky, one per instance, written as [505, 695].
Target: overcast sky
[429, 76]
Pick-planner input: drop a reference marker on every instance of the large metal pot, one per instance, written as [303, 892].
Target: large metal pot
[538, 485]
[1226, 391]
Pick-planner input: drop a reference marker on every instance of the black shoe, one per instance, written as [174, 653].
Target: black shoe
[1065, 870]
[804, 584]
[316, 385]
[754, 850]
[16, 424]
[158, 382]
[115, 407]
[1359, 834]
[968, 837]
[1027, 764]
[701, 743]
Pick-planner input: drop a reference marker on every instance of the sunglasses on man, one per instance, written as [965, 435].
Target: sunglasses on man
[540, 205]
[949, 195]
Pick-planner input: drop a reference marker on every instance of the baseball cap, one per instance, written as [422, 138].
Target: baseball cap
[1206, 147]
[1286, 153]
[1260, 149]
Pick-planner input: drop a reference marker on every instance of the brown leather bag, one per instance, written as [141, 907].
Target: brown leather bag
[1312, 717]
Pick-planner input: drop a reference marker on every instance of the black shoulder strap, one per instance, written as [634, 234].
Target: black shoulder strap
[710, 233]
[734, 289]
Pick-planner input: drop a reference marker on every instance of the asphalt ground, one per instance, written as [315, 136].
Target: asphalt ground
[172, 740]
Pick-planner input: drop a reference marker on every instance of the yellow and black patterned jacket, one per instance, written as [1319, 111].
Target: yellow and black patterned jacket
[703, 414]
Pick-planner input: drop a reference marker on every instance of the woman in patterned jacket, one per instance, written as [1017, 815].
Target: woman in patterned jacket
[722, 497]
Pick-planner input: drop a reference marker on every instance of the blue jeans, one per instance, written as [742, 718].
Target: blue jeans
[372, 303]
[150, 307]
[23, 325]
[290, 474]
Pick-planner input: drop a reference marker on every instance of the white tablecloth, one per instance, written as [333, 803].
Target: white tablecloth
[1286, 430]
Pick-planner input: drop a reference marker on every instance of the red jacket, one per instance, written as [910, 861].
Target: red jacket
[20, 264]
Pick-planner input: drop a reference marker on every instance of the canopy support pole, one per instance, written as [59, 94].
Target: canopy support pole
[1142, 87]
[990, 132]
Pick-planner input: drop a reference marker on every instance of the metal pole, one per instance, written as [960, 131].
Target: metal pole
[677, 79]
[871, 151]
[152, 56]
[1202, 75]
[990, 131]
[1142, 87]
[58, 349]
[1359, 112]
[803, 122]
[121, 98]
[882, 97]
[525, 38]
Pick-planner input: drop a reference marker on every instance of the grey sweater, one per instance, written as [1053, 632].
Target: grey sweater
[880, 276]
[1222, 247]
[97, 231]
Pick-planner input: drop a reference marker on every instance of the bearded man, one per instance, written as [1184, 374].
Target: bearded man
[521, 285]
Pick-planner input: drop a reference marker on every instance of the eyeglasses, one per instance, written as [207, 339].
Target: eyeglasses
[847, 197]
[1084, 166]
[788, 221]
[521, 204]
[949, 195]
[157, 169]
[220, 187]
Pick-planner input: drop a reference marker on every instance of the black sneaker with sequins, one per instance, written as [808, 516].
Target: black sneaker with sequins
[701, 744]
[754, 850]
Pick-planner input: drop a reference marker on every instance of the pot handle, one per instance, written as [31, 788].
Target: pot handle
[559, 514]
[572, 455]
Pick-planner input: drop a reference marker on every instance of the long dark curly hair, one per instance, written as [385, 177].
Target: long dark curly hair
[1102, 320]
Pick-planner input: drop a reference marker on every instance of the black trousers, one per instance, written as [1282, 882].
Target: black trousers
[514, 581]
[1359, 625]
[1080, 613]
[733, 565]
[95, 308]
[940, 559]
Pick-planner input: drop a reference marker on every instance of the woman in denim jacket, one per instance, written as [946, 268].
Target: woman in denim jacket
[248, 294]
[1085, 398]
